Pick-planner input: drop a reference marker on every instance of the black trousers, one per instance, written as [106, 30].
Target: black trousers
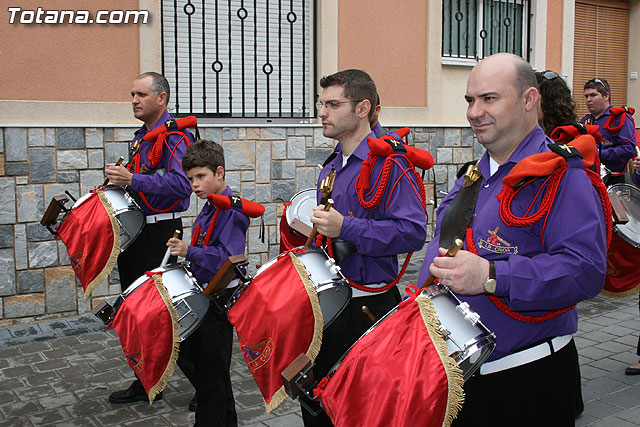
[146, 252]
[205, 358]
[341, 334]
[540, 393]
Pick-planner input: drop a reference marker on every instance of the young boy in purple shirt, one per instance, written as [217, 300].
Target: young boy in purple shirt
[205, 356]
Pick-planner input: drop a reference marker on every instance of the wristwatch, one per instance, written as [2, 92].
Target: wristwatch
[490, 284]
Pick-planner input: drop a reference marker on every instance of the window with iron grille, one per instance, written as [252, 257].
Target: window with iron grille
[239, 59]
[475, 29]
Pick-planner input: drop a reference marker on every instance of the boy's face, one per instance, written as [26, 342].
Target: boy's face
[203, 181]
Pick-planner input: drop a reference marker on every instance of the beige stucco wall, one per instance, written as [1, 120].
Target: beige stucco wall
[74, 73]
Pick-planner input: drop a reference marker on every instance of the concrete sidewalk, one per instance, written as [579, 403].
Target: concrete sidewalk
[61, 373]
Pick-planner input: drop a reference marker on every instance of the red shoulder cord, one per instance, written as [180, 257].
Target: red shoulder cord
[506, 197]
[155, 155]
[617, 112]
[195, 234]
[382, 181]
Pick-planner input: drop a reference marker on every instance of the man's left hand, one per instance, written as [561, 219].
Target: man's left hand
[118, 174]
[465, 273]
[329, 223]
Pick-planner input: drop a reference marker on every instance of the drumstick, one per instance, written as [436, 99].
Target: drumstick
[368, 312]
[314, 231]
[118, 163]
[452, 251]
[167, 254]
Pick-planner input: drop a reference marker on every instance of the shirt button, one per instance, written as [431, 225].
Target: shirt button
[486, 186]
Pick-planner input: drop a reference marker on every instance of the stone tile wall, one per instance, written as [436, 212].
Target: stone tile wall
[267, 165]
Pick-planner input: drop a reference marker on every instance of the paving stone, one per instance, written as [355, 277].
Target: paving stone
[118, 416]
[9, 384]
[26, 359]
[33, 392]
[51, 416]
[30, 281]
[7, 396]
[16, 422]
[42, 378]
[600, 409]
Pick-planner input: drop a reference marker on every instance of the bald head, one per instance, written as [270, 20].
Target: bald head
[503, 97]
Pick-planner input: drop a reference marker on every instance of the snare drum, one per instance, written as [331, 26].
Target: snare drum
[331, 286]
[127, 213]
[470, 343]
[186, 295]
[629, 198]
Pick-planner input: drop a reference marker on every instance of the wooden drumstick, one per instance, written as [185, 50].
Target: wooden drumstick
[167, 254]
[368, 312]
[118, 163]
[452, 251]
[314, 231]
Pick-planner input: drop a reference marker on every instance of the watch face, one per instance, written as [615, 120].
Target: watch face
[490, 286]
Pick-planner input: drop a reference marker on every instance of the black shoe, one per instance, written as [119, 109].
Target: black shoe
[135, 393]
[632, 371]
[193, 405]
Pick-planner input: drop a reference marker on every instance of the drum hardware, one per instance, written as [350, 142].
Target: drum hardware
[70, 196]
[231, 268]
[314, 231]
[56, 206]
[468, 314]
[619, 212]
[300, 211]
[298, 376]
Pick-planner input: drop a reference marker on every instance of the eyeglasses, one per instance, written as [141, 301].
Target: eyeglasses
[332, 105]
[548, 74]
[599, 81]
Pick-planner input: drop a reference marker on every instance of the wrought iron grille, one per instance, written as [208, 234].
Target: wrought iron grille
[239, 58]
[474, 29]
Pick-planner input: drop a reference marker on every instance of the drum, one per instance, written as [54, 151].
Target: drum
[127, 213]
[626, 197]
[186, 295]
[332, 287]
[469, 342]
[300, 211]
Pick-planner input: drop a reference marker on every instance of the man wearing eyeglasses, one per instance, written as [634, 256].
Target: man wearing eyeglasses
[521, 269]
[617, 129]
[374, 235]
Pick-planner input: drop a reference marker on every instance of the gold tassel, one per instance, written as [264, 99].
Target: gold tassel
[454, 374]
[115, 249]
[171, 366]
[625, 294]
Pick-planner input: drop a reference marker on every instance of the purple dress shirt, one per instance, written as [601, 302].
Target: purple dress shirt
[615, 150]
[535, 272]
[166, 182]
[228, 238]
[382, 233]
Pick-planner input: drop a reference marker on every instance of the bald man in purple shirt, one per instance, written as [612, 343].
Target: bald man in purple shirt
[533, 270]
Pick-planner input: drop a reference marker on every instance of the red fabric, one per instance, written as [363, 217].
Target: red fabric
[544, 164]
[88, 234]
[275, 323]
[391, 376]
[420, 158]
[145, 328]
[288, 238]
[184, 123]
[614, 113]
[249, 208]
[622, 268]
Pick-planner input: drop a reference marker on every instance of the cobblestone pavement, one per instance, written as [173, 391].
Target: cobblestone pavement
[61, 372]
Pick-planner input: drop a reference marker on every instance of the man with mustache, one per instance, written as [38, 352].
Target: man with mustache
[524, 285]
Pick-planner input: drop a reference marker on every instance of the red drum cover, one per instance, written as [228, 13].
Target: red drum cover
[92, 236]
[623, 272]
[147, 325]
[398, 374]
[289, 239]
[277, 318]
